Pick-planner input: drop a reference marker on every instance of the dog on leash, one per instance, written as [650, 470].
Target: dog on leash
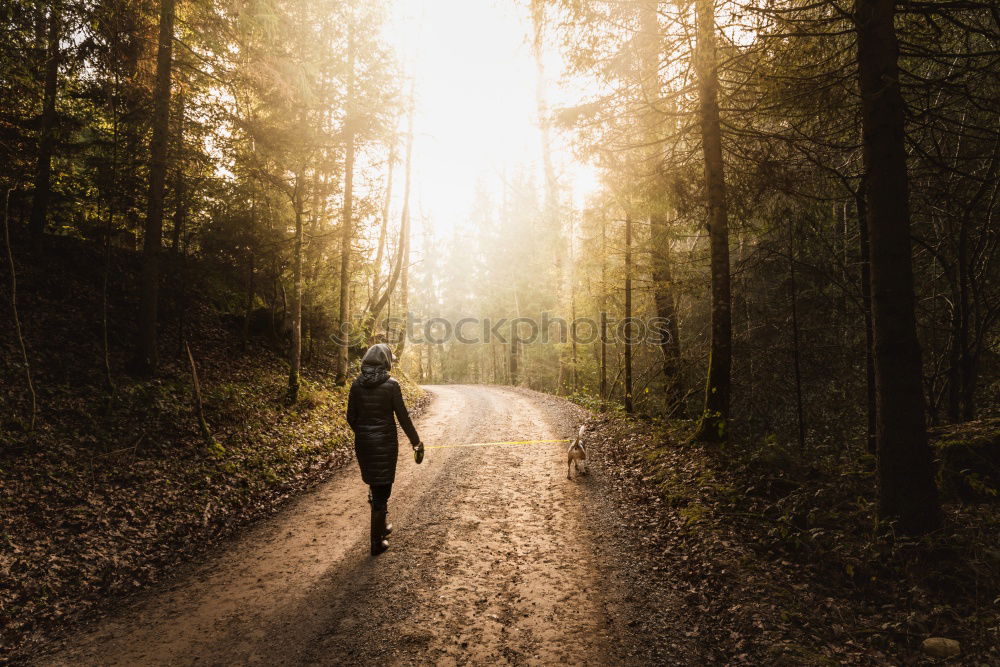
[576, 455]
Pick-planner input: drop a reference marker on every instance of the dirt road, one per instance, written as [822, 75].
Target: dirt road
[495, 560]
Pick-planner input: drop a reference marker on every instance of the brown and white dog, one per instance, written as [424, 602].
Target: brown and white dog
[576, 455]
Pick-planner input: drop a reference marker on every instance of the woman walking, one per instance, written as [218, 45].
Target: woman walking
[373, 400]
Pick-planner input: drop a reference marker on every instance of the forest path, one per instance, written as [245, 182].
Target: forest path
[496, 559]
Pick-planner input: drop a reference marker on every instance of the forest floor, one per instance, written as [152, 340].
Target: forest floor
[497, 558]
[110, 491]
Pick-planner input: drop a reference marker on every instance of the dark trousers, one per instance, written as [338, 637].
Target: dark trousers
[378, 496]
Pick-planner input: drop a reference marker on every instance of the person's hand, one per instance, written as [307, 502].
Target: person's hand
[418, 452]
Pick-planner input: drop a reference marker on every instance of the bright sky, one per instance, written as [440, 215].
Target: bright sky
[476, 110]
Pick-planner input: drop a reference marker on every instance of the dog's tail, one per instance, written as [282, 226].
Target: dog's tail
[583, 429]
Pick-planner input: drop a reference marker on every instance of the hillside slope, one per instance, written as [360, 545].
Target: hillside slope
[105, 494]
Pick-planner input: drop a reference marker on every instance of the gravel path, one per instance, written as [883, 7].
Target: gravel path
[497, 558]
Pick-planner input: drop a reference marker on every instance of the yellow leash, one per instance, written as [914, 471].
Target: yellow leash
[506, 442]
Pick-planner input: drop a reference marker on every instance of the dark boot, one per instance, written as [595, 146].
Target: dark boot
[379, 543]
[388, 526]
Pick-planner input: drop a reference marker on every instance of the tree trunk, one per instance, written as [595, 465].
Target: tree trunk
[604, 314]
[666, 309]
[572, 308]
[384, 228]
[295, 356]
[379, 302]
[248, 308]
[955, 362]
[180, 183]
[663, 291]
[966, 359]
[430, 363]
[512, 367]
[493, 359]
[14, 311]
[907, 492]
[629, 407]
[199, 405]
[343, 341]
[382, 300]
[552, 219]
[146, 357]
[748, 329]
[548, 168]
[861, 204]
[714, 425]
[46, 134]
[109, 228]
[796, 354]
[404, 284]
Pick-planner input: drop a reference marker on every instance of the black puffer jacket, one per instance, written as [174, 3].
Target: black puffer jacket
[373, 400]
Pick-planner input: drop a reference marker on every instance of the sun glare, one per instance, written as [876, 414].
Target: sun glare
[476, 113]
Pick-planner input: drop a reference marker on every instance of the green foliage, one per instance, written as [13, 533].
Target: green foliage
[215, 450]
